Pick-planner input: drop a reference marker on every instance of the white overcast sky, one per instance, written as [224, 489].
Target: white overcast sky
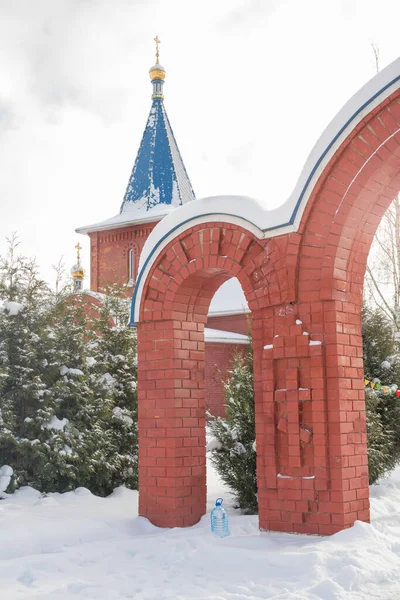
[251, 84]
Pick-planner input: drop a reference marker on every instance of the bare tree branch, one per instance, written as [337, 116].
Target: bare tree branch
[375, 50]
[389, 310]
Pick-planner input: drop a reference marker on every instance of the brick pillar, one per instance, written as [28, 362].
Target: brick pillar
[310, 417]
[347, 441]
[171, 420]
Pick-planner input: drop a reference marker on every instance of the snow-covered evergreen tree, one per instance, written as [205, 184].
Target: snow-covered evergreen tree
[113, 356]
[67, 387]
[61, 429]
[381, 351]
[382, 368]
[87, 425]
[383, 414]
[234, 447]
[23, 300]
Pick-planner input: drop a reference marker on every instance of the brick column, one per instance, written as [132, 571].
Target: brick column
[171, 418]
[310, 418]
[348, 460]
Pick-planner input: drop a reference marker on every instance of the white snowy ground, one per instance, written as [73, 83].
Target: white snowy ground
[77, 546]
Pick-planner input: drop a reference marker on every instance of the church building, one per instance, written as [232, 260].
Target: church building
[159, 184]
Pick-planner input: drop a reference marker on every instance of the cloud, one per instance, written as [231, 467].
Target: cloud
[238, 159]
[247, 13]
[71, 53]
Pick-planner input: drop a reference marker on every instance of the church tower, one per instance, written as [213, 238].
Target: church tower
[157, 185]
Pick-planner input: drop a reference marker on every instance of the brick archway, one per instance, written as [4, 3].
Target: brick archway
[174, 307]
[302, 271]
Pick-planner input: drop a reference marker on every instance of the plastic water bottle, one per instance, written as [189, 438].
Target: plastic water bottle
[219, 519]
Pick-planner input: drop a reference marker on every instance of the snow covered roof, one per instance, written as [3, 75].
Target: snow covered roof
[159, 175]
[129, 217]
[158, 182]
[224, 337]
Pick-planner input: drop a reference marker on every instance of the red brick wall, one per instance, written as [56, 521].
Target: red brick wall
[237, 323]
[218, 360]
[109, 251]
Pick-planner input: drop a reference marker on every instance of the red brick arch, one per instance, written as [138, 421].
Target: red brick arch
[305, 292]
[199, 260]
[174, 308]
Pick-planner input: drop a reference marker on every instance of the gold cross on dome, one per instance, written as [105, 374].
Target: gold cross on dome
[78, 252]
[157, 41]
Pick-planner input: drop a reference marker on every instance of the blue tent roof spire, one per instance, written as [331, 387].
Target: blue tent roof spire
[159, 176]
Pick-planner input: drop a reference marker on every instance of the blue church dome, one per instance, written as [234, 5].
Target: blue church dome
[159, 176]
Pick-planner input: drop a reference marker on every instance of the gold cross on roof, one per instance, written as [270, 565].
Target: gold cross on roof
[78, 252]
[157, 41]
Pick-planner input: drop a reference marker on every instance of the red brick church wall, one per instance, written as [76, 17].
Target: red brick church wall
[109, 254]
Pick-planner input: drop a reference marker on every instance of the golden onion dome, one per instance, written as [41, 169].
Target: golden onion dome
[77, 272]
[157, 71]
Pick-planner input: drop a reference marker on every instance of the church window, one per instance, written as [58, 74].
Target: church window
[131, 267]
